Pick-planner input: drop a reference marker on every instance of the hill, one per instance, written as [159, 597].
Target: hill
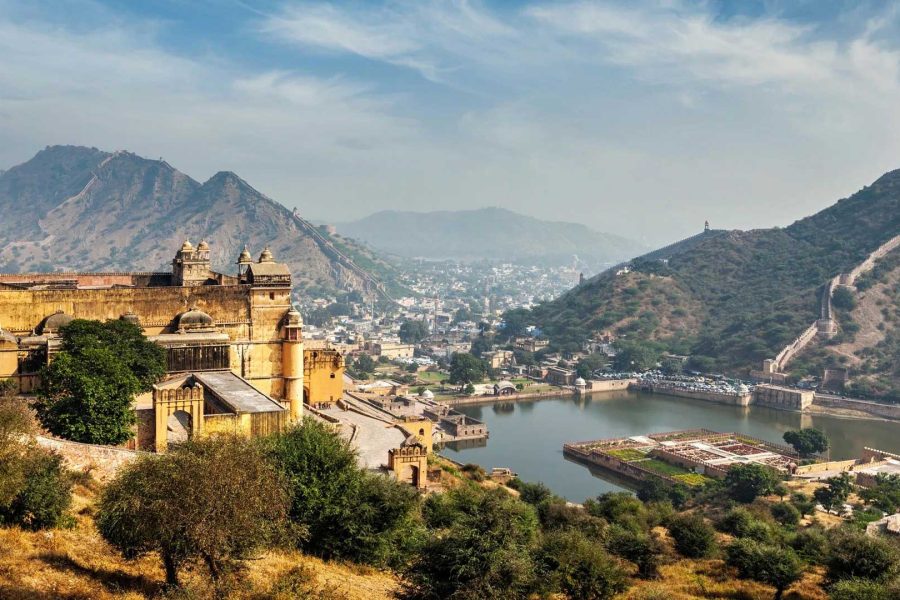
[731, 299]
[72, 208]
[488, 233]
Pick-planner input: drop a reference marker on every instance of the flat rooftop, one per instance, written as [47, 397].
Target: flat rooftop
[235, 392]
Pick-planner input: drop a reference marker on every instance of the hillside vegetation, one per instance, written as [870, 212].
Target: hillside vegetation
[748, 293]
[72, 208]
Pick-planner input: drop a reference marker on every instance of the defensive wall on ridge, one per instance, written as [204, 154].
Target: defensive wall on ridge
[825, 325]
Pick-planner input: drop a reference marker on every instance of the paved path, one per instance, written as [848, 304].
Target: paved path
[373, 438]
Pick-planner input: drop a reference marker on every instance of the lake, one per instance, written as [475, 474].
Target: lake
[528, 436]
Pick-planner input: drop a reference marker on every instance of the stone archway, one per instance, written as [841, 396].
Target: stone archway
[178, 427]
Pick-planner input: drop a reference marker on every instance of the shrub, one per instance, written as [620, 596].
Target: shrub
[860, 589]
[786, 514]
[557, 515]
[534, 493]
[810, 544]
[643, 549]
[44, 492]
[349, 513]
[694, 537]
[803, 503]
[772, 565]
[835, 492]
[481, 547]
[579, 568]
[852, 554]
[745, 482]
[621, 508]
[741, 523]
[214, 500]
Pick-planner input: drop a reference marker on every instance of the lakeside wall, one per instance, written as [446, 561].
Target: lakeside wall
[886, 411]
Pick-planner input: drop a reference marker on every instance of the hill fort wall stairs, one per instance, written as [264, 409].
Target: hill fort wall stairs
[826, 325]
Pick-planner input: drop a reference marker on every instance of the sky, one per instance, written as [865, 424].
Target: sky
[642, 119]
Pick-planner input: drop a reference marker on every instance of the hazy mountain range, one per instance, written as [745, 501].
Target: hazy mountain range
[487, 233]
[77, 208]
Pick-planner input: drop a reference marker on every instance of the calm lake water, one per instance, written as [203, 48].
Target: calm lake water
[528, 436]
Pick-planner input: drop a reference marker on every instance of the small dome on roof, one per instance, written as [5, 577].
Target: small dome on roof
[266, 256]
[293, 318]
[203, 245]
[53, 323]
[245, 257]
[580, 381]
[194, 319]
[187, 247]
[428, 394]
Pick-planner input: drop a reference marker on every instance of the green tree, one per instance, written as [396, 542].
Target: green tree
[364, 364]
[635, 356]
[465, 368]
[590, 363]
[803, 503]
[842, 298]
[213, 501]
[694, 537]
[885, 494]
[516, 322]
[579, 567]
[807, 441]
[772, 565]
[852, 554]
[41, 492]
[786, 514]
[747, 481]
[481, 547]
[349, 513]
[413, 332]
[835, 492]
[89, 388]
[643, 549]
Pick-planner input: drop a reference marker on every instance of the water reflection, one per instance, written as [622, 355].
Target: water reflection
[528, 438]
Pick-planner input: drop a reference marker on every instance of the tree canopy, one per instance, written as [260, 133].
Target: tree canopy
[466, 368]
[807, 441]
[747, 481]
[413, 331]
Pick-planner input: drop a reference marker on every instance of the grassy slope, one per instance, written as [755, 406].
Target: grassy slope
[748, 293]
[75, 564]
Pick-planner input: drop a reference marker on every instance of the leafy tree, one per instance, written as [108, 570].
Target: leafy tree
[885, 494]
[555, 514]
[745, 482]
[481, 547]
[579, 568]
[533, 493]
[852, 554]
[215, 501]
[694, 537]
[786, 514]
[590, 363]
[89, 387]
[810, 544]
[672, 366]
[635, 356]
[803, 503]
[516, 322]
[621, 508]
[643, 549]
[40, 493]
[836, 491]
[348, 513]
[364, 364]
[413, 332]
[480, 345]
[465, 368]
[772, 565]
[807, 441]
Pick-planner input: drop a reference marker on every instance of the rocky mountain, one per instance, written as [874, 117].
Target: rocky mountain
[75, 208]
[731, 298]
[488, 233]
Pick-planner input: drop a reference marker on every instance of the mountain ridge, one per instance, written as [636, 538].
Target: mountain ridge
[75, 208]
[732, 299]
[485, 233]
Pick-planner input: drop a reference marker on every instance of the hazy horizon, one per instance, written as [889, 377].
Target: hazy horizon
[640, 119]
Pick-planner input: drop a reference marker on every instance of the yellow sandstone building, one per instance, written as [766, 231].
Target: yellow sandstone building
[234, 345]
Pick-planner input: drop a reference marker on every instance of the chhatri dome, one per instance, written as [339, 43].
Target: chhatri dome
[266, 256]
[203, 245]
[245, 257]
[187, 247]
